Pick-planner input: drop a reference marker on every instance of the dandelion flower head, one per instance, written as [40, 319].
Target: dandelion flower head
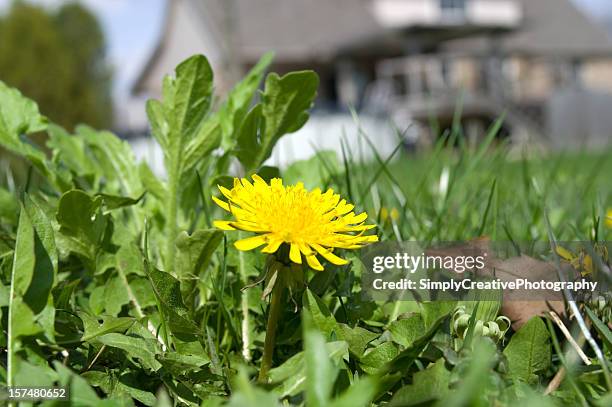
[311, 223]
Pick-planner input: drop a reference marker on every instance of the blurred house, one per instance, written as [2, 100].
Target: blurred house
[542, 63]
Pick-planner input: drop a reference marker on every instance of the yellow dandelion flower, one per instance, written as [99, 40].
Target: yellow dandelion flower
[609, 218]
[385, 214]
[309, 222]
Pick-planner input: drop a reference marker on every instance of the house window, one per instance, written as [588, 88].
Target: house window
[455, 8]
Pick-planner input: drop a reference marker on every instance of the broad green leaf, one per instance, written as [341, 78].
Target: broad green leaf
[427, 385]
[63, 292]
[406, 331]
[232, 112]
[359, 394]
[9, 207]
[22, 321]
[434, 310]
[168, 293]
[152, 184]
[116, 295]
[320, 372]
[195, 250]
[115, 157]
[31, 374]
[246, 394]
[529, 351]
[115, 201]
[476, 383]
[193, 87]
[179, 124]
[144, 350]
[20, 116]
[357, 338]
[193, 255]
[119, 386]
[180, 364]
[79, 390]
[69, 151]
[205, 141]
[406, 357]
[290, 377]
[93, 328]
[374, 361]
[32, 278]
[283, 110]
[321, 317]
[82, 222]
[45, 257]
[186, 100]
[5, 291]
[24, 260]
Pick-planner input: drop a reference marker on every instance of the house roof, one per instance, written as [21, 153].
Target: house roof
[319, 30]
[243, 30]
[550, 28]
[295, 29]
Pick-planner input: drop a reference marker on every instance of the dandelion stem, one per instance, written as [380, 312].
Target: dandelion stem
[273, 314]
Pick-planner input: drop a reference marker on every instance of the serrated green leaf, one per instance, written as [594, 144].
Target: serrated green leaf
[374, 361]
[248, 395]
[206, 140]
[180, 364]
[158, 122]
[115, 158]
[63, 292]
[434, 310]
[151, 183]
[168, 293]
[79, 390]
[320, 372]
[22, 321]
[69, 151]
[9, 206]
[93, 328]
[142, 349]
[427, 385]
[283, 110]
[82, 222]
[357, 338]
[406, 331]
[30, 374]
[179, 122]
[193, 255]
[18, 116]
[195, 250]
[232, 112]
[115, 201]
[406, 357]
[119, 386]
[290, 377]
[322, 318]
[360, 394]
[529, 351]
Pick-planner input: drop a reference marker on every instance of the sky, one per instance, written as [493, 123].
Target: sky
[133, 28]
